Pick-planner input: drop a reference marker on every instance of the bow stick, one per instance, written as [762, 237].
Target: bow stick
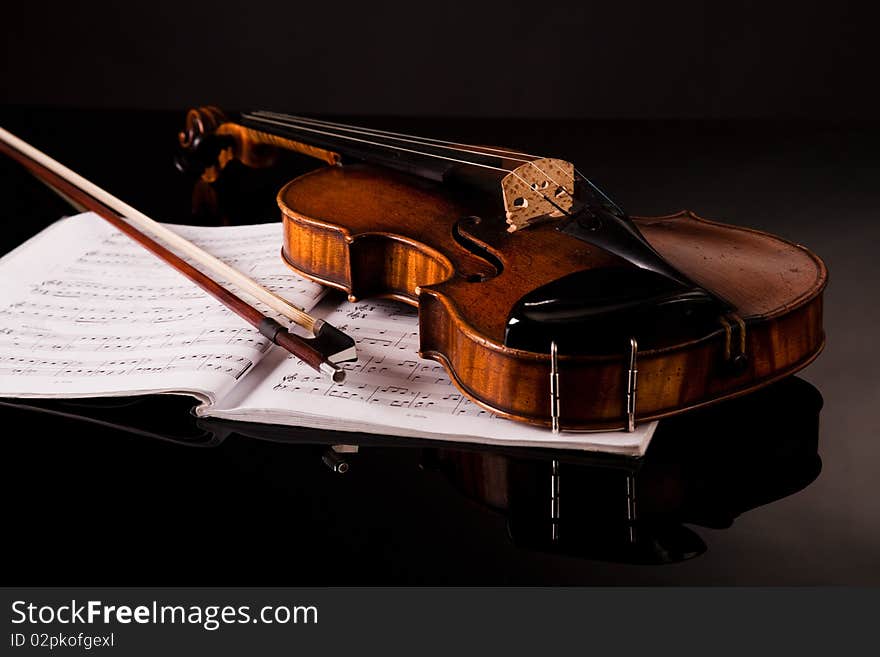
[322, 352]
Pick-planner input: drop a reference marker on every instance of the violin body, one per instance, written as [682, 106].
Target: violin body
[373, 232]
[542, 299]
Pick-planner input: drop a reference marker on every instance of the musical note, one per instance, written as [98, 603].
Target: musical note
[85, 310]
[388, 374]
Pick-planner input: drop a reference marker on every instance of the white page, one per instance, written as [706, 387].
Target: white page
[390, 390]
[85, 311]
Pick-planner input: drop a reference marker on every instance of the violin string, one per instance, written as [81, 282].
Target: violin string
[432, 141]
[295, 125]
[407, 150]
[427, 141]
[424, 141]
[440, 142]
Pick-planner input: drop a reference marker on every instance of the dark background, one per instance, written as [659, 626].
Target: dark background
[695, 76]
[587, 59]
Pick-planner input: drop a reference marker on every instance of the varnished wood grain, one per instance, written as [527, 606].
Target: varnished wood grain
[373, 233]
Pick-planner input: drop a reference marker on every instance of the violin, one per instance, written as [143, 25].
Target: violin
[543, 300]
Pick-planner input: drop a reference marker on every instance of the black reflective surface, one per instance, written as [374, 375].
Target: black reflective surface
[746, 493]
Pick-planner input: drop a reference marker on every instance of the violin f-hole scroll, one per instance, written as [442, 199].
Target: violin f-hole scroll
[479, 249]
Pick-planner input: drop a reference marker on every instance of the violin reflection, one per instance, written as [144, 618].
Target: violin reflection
[704, 468]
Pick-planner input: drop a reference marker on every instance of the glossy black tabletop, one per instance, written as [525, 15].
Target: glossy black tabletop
[780, 487]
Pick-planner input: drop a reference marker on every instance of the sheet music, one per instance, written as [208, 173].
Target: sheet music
[85, 311]
[390, 390]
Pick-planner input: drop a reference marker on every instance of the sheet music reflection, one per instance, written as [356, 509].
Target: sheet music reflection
[704, 468]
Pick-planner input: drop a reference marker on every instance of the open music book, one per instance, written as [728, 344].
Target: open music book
[86, 312]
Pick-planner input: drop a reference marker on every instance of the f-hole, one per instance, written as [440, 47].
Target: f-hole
[477, 249]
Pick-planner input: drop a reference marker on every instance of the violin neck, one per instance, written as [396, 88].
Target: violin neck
[419, 156]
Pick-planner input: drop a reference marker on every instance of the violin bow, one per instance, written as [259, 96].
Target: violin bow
[323, 352]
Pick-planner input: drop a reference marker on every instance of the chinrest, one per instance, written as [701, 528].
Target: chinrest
[587, 312]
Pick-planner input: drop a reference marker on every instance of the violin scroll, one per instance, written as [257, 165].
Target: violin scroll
[202, 151]
[200, 122]
[210, 141]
